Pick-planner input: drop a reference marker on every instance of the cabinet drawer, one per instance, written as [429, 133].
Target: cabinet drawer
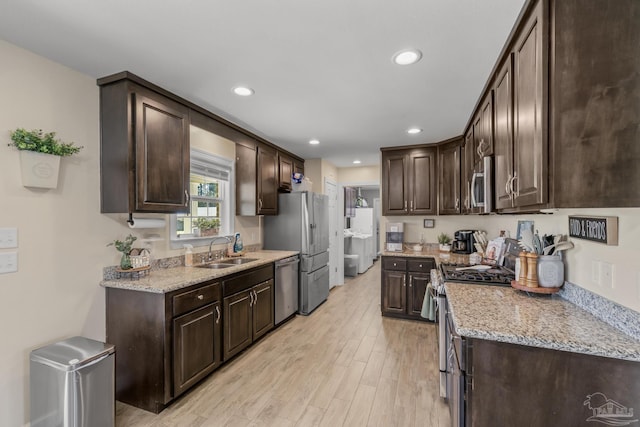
[396, 264]
[197, 298]
[247, 280]
[422, 265]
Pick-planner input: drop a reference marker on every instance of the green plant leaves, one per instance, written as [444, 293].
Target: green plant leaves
[38, 141]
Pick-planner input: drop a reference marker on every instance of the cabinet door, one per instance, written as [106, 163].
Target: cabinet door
[467, 154]
[503, 136]
[298, 167]
[267, 181]
[285, 169]
[417, 289]
[530, 142]
[485, 144]
[237, 323]
[422, 182]
[394, 293]
[449, 182]
[394, 183]
[263, 310]
[161, 155]
[196, 346]
[246, 180]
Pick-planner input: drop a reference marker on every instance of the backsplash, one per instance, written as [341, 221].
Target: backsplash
[620, 317]
[110, 272]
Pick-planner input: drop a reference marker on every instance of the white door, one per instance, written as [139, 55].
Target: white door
[331, 190]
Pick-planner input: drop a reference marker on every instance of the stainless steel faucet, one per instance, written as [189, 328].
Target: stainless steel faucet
[226, 239]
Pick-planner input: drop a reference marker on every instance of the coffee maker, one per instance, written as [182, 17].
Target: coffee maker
[463, 242]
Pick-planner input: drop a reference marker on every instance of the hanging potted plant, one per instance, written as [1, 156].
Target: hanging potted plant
[40, 156]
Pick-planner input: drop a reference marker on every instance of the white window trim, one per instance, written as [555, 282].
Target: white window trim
[177, 243]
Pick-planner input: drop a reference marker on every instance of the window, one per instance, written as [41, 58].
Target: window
[211, 207]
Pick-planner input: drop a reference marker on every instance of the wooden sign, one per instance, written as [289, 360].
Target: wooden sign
[601, 229]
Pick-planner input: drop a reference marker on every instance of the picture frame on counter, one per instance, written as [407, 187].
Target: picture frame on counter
[429, 223]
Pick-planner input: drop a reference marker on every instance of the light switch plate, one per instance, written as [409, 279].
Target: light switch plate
[606, 275]
[8, 262]
[8, 238]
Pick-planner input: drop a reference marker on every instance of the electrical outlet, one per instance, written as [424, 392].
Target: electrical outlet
[606, 275]
[595, 272]
[8, 262]
[8, 238]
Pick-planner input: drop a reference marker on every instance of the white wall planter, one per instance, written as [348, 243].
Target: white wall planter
[39, 170]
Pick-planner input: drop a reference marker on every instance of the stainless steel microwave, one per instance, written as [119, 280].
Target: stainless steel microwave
[482, 186]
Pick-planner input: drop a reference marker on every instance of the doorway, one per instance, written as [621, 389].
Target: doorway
[331, 190]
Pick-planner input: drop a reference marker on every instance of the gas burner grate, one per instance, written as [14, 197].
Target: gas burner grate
[495, 276]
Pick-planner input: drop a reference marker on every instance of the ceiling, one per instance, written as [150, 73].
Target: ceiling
[319, 69]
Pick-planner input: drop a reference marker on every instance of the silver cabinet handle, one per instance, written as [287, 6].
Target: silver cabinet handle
[420, 265]
[394, 264]
[260, 204]
[217, 314]
[255, 297]
[512, 186]
[457, 202]
[405, 205]
[250, 298]
[507, 185]
[410, 280]
[200, 297]
[404, 281]
[411, 205]
[186, 196]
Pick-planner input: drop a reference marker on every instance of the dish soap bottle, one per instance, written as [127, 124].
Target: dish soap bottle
[237, 247]
[188, 256]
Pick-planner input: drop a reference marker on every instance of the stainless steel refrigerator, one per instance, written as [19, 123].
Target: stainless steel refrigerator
[302, 224]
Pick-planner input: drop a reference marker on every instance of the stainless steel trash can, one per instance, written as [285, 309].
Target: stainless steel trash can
[72, 384]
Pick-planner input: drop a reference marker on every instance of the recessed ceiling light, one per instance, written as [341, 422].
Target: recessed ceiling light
[243, 91]
[413, 131]
[356, 162]
[407, 56]
[314, 142]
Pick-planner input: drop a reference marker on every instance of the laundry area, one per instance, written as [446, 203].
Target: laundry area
[361, 237]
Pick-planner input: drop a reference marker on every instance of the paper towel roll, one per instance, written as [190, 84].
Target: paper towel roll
[147, 223]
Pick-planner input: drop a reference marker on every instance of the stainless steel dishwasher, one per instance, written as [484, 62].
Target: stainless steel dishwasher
[286, 298]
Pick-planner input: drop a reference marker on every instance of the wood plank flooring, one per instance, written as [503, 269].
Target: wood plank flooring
[344, 365]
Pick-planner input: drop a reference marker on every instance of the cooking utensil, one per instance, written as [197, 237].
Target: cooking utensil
[526, 240]
[563, 246]
[537, 244]
[478, 267]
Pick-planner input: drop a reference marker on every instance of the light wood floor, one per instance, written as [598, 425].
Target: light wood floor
[344, 365]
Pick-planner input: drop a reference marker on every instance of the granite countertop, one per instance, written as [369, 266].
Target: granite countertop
[430, 252]
[508, 315]
[170, 279]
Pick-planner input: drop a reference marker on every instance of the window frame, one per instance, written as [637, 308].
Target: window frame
[214, 160]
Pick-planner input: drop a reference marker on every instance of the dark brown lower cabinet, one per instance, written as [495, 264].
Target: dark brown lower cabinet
[516, 385]
[167, 342]
[248, 308]
[404, 285]
[196, 346]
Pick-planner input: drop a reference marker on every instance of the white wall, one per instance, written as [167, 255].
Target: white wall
[62, 235]
[624, 257]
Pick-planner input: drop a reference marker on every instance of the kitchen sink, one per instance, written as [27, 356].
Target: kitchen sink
[237, 261]
[214, 265]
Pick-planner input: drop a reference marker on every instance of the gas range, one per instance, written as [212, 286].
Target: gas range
[498, 275]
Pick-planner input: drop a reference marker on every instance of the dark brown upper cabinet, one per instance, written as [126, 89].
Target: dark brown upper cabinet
[267, 180]
[256, 179]
[144, 150]
[298, 166]
[409, 181]
[285, 170]
[449, 161]
[530, 158]
[503, 135]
